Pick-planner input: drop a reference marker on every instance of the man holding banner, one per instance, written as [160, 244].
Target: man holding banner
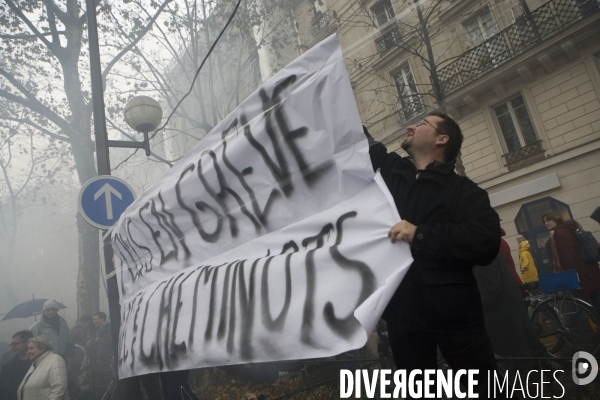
[245, 250]
[450, 226]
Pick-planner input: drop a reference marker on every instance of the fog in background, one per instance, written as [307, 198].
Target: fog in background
[46, 261]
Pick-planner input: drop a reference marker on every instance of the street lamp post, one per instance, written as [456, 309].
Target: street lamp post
[146, 122]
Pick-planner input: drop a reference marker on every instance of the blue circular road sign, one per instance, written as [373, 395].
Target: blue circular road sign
[103, 199]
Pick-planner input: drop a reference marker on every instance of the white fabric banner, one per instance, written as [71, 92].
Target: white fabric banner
[267, 241]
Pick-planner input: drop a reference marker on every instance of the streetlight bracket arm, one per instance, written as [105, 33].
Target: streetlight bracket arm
[130, 144]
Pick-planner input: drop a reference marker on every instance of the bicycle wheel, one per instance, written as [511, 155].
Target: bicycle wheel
[566, 326]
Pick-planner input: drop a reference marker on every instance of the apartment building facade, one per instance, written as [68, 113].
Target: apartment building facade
[522, 77]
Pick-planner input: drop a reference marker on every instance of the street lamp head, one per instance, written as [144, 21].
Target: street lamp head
[143, 113]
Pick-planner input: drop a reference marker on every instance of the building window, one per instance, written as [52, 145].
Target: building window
[518, 135]
[587, 7]
[388, 40]
[481, 27]
[319, 17]
[383, 12]
[410, 100]
[489, 48]
[515, 124]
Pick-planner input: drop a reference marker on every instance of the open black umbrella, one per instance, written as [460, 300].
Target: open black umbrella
[28, 309]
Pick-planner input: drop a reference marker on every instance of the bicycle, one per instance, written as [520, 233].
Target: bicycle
[564, 324]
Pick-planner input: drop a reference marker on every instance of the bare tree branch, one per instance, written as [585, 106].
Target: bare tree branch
[32, 27]
[38, 127]
[52, 22]
[38, 107]
[27, 37]
[135, 41]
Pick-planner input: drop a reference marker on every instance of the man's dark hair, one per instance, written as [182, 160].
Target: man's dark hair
[449, 127]
[85, 319]
[100, 315]
[23, 335]
[78, 334]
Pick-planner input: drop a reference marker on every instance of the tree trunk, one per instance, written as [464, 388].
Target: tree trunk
[440, 96]
[88, 280]
[10, 298]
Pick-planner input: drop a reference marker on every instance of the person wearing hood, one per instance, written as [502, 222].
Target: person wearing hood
[55, 327]
[528, 270]
[564, 255]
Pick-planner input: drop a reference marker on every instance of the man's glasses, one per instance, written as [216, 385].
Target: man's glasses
[424, 121]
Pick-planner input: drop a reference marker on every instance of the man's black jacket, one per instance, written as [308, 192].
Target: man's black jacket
[11, 376]
[456, 230]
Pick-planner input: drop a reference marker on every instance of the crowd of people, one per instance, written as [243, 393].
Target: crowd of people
[563, 254]
[52, 362]
[563, 249]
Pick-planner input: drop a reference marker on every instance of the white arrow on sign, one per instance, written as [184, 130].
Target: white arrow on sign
[106, 190]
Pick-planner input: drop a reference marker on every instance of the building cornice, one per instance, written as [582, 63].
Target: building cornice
[455, 10]
[551, 161]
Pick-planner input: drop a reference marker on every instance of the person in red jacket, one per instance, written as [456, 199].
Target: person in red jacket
[564, 254]
[505, 250]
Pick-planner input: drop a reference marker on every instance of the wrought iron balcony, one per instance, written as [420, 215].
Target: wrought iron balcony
[524, 156]
[409, 107]
[388, 40]
[319, 22]
[527, 31]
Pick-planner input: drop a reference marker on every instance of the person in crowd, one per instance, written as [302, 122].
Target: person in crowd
[131, 388]
[79, 367]
[550, 251]
[46, 379]
[450, 226]
[85, 322]
[509, 327]
[100, 351]
[175, 386]
[547, 266]
[528, 270]
[15, 369]
[55, 327]
[596, 217]
[564, 254]
[6, 356]
[505, 251]
[4, 349]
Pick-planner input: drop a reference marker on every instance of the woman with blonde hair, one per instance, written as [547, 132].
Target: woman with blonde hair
[47, 376]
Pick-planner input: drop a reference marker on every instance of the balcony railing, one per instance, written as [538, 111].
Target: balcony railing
[319, 22]
[524, 156]
[409, 108]
[527, 31]
[388, 40]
